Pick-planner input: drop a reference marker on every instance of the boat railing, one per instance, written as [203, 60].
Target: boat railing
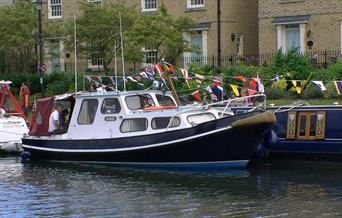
[290, 107]
[252, 102]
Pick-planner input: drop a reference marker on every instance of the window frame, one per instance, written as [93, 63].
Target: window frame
[79, 112]
[152, 59]
[117, 102]
[170, 123]
[95, 2]
[129, 119]
[50, 12]
[190, 4]
[144, 9]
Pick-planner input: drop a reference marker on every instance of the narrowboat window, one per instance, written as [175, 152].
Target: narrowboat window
[163, 122]
[137, 102]
[302, 128]
[110, 106]
[313, 123]
[133, 125]
[87, 111]
[165, 100]
[200, 118]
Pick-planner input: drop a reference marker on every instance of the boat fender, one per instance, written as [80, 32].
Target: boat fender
[11, 147]
[270, 138]
[25, 155]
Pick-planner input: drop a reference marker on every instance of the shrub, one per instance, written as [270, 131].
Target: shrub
[275, 93]
[312, 91]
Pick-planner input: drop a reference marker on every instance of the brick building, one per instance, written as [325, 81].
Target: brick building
[309, 25]
[238, 25]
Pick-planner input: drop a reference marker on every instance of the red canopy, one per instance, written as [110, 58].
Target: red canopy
[39, 125]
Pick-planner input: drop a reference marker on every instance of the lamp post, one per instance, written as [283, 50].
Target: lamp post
[41, 69]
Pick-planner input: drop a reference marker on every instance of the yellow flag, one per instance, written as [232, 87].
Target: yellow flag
[235, 90]
[297, 85]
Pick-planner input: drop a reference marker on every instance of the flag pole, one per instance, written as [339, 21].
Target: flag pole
[75, 41]
[122, 55]
[115, 69]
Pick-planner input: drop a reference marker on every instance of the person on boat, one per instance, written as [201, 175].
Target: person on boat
[25, 97]
[64, 119]
[55, 126]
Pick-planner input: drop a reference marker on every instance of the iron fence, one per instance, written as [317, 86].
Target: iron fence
[319, 59]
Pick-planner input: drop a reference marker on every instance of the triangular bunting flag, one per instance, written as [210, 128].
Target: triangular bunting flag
[297, 85]
[320, 85]
[197, 95]
[338, 85]
[235, 90]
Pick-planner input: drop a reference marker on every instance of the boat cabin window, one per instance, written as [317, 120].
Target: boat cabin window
[164, 122]
[200, 118]
[110, 106]
[133, 125]
[165, 100]
[137, 102]
[308, 125]
[87, 112]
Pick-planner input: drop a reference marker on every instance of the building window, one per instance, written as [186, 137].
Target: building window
[55, 9]
[149, 5]
[150, 56]
[87, 112]
[196, 41]
[292, 37]
[95, 2]
[195, 3]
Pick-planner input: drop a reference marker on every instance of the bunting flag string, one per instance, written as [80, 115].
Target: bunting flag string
[320, 85]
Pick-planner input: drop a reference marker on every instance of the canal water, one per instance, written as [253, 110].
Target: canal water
[268, 189]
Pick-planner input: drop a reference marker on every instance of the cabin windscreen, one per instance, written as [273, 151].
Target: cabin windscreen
[165, 100]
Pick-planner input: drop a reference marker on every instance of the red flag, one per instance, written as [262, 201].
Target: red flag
[216, 83]
[159, 70]
[168, 67]
[197, 95]
[240, 78]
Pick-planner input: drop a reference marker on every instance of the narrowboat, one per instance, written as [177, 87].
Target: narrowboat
[306, 131]
[147, 128]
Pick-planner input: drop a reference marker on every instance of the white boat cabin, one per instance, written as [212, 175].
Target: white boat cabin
[123, 114]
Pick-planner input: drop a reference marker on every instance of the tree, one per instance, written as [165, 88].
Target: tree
[17, 24]
[160, 32]
[98, 30]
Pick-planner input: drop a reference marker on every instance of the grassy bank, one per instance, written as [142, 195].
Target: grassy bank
[320, 101]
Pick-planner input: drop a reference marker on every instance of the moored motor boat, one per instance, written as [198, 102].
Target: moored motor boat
[147, 128]
[12, 120]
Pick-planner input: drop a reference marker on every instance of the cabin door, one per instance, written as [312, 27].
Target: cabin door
[306, 125]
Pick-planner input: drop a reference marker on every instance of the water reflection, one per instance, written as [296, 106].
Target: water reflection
[295, 189]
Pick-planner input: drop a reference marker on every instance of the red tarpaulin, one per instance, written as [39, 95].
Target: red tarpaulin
[40, 117]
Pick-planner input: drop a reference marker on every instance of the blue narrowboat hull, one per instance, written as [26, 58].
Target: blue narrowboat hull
[305, 141]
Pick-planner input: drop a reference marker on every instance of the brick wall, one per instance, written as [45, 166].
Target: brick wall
[324, 22]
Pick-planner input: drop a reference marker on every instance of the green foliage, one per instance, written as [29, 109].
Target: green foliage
[275, 93]
[98, 30]
[312, 91]
[17, 23]
[291, 65]
[161, 32]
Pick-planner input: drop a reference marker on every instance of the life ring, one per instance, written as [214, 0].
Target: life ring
[156, 108]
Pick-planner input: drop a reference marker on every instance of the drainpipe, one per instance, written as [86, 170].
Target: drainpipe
[219, 33]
